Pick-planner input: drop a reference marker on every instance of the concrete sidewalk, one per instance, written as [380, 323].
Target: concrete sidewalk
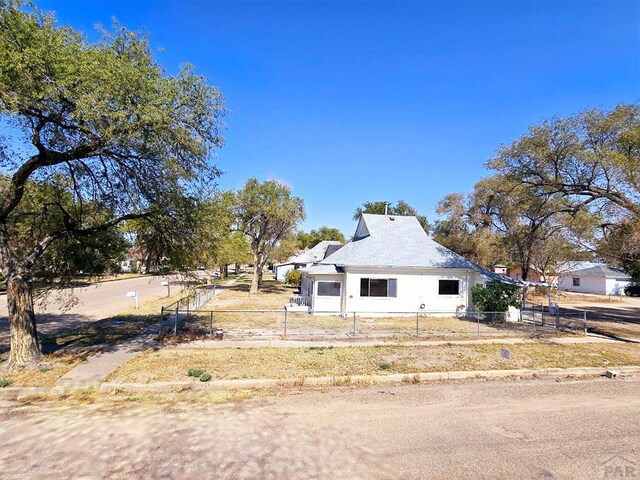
[99, 366]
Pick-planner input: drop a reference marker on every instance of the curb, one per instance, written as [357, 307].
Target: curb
[18, 393]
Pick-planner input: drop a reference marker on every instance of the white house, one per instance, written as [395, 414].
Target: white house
[596, 278]
[391, 266]
[305, 259]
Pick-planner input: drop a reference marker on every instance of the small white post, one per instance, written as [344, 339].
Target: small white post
[133, 294]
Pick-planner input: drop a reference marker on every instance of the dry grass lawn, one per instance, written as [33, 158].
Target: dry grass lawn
[56, 365]
[302, 324]
[273, 296]
[171, 364]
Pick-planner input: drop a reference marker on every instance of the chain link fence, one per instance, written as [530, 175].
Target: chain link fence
[554, 317]
[287, 323]
[171, 315]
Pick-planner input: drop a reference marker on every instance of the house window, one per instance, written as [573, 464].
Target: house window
[329, 289]
[449, 287]
[378, 287]
[576, 281]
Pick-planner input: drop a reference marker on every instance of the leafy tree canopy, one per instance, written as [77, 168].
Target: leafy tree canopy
[311, 239]
[103, 131]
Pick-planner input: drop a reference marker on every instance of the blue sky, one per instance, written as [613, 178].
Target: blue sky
[349, 101]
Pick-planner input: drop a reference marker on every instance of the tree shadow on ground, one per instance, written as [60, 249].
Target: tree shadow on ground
[78, 332]
[267, 287]
[617, 323]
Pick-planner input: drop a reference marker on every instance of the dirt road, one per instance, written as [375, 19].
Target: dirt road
[526, 429]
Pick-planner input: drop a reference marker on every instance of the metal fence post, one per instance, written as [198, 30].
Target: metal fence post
[533, 316]
[478, 319]
[161, 320]
[558, 318]
[211, 324]
[175, 325]
[584, 319]
[285, 322]
[417, 325]
[354, 324]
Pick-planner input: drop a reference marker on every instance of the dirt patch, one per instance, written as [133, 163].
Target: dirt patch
[610, 315]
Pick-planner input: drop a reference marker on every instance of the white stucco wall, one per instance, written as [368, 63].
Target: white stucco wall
[327, 304]
[588, 284]
[615, 286]
[415, 288]
[281, 271]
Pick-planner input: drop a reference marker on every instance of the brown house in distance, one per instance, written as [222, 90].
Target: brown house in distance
[534, 274]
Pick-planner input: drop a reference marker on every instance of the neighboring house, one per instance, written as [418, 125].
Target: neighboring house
[597, 278]
[501, 269]
[391, 266]
[534, 275]
[306, 258]
[134, 260]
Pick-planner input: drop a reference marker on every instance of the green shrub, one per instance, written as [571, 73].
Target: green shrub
[195, 372]
[384, 366]
[5, 382]
[205, 377]
[495, 296]
[293, 278]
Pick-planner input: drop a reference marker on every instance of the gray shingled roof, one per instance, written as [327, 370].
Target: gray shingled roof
[600, 270]
[399, 241]
[322, 270]
[315, 254]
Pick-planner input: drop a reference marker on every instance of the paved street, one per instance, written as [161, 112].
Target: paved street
[94, 301]
[492, 430]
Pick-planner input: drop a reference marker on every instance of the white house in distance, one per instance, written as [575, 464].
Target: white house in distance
[596, 278]
[305, 259]
[392, 266]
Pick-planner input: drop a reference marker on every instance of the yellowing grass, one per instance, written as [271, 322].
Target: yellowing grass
[171, 364]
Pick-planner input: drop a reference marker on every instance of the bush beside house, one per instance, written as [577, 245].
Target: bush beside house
[293, 278]
[496, 297]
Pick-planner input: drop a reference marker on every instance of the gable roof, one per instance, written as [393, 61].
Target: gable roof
[599, 270]
[315, 254]
[399, 241]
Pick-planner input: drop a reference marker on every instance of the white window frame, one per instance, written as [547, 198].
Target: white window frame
[450, 280]
[329, 281]
[389, 282]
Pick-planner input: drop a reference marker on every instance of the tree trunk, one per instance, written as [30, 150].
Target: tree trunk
[260, 272]
[25, 350]
[255, 282]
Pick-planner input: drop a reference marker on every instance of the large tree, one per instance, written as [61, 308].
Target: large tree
[315, 236]
[593, 160]
[267, 213]
[465, 229]
[381, 207]
[101, 122]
